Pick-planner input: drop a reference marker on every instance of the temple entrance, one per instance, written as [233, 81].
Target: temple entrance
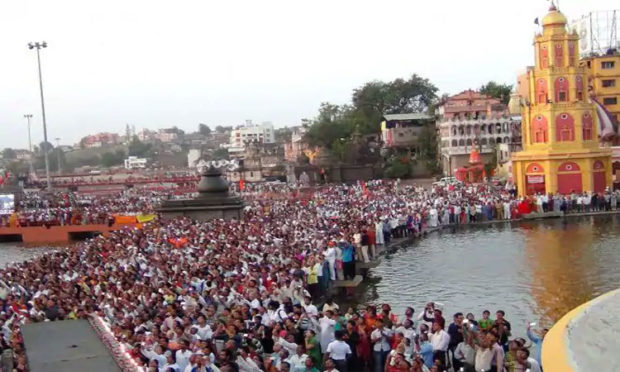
[535, 184]
[599, 179]
[569, 178]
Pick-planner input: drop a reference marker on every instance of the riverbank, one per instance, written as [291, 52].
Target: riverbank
[399, 243]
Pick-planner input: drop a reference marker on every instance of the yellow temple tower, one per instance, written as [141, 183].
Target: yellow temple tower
[561, 151]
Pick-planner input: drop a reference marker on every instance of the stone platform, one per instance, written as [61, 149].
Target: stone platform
[585, 339]
[66, 346]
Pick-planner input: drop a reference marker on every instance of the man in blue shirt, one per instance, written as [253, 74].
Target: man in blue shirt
[348, 260]
[538, 341]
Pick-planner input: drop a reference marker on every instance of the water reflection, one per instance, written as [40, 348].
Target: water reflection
[535, 271]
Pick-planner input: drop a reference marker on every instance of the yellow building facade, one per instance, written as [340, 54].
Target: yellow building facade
[604, 80]
[561, 152]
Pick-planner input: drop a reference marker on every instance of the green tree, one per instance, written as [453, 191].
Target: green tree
[333, 124]
[139, 148]
[45, 146]
[110, 159]
[204, 129]
[54, 156]
[428, 148]
[283, 134]
[220, 154]
[376, 98]
[398, 166]
[499, 91]
[8, 154]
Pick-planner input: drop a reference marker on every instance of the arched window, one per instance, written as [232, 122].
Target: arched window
[468, 129]
[491, 141]
[461, 130]
[571, 53]
[476, 129]
[539, 130]
[483, 129]
[579, 88]
[498, 128]
[469, 142]
[561, 89]
[454, 130]
[455, 143]
[491, 126]
[559, 55]
[587, 126]
[544, 56]
[483, 142]
[506, 140]
[461, 142]
[541, 91]
[498, 140]
[505, 127]
[564, 128]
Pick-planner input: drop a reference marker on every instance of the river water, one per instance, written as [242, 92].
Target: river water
[534, 271]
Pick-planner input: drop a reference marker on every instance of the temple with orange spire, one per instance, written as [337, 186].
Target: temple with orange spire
[561, 151]
[474, 172]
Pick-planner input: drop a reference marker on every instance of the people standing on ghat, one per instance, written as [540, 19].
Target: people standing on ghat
[242, 292]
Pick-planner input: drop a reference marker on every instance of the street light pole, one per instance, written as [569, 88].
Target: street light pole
[38, 46]
[58, 150]
[28, 117]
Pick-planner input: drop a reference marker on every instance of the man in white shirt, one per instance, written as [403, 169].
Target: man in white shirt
[182, 355]
[380, 339]
[339, 351]
[310, 309]
[298, 360]
[439, 340]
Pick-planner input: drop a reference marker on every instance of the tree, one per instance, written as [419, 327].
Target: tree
[54, 156]
[204, 129]
[398, 166]
[283, 134]
[427, 148]
[376, 98]
[45, 147]
[499, 91]
[220, 129]
[330, 126]
[177, 131]
[110, 159]
[138, 148]
[8, 154]
[220, 154]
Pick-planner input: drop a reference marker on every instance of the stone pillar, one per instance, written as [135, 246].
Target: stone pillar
[587, 174]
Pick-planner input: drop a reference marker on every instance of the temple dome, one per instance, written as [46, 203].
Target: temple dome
[554, 18]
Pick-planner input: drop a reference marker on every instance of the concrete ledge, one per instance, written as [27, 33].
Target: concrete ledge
[348, 283]
[585, 339]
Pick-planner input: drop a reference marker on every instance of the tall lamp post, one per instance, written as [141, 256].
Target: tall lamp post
[38, 45]
[28, 117]
[58, 151]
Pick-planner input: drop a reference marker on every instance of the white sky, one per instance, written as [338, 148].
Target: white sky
[156, 64]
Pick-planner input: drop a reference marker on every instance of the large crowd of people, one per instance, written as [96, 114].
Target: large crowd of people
[244, 295]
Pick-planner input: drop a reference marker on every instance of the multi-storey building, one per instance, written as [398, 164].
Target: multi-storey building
[561, 151]
[294, 149]
[604, 81]
[471, 120]
[99, 140]
[243, 135]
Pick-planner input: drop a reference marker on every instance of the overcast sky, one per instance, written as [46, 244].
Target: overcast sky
[156, 64]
